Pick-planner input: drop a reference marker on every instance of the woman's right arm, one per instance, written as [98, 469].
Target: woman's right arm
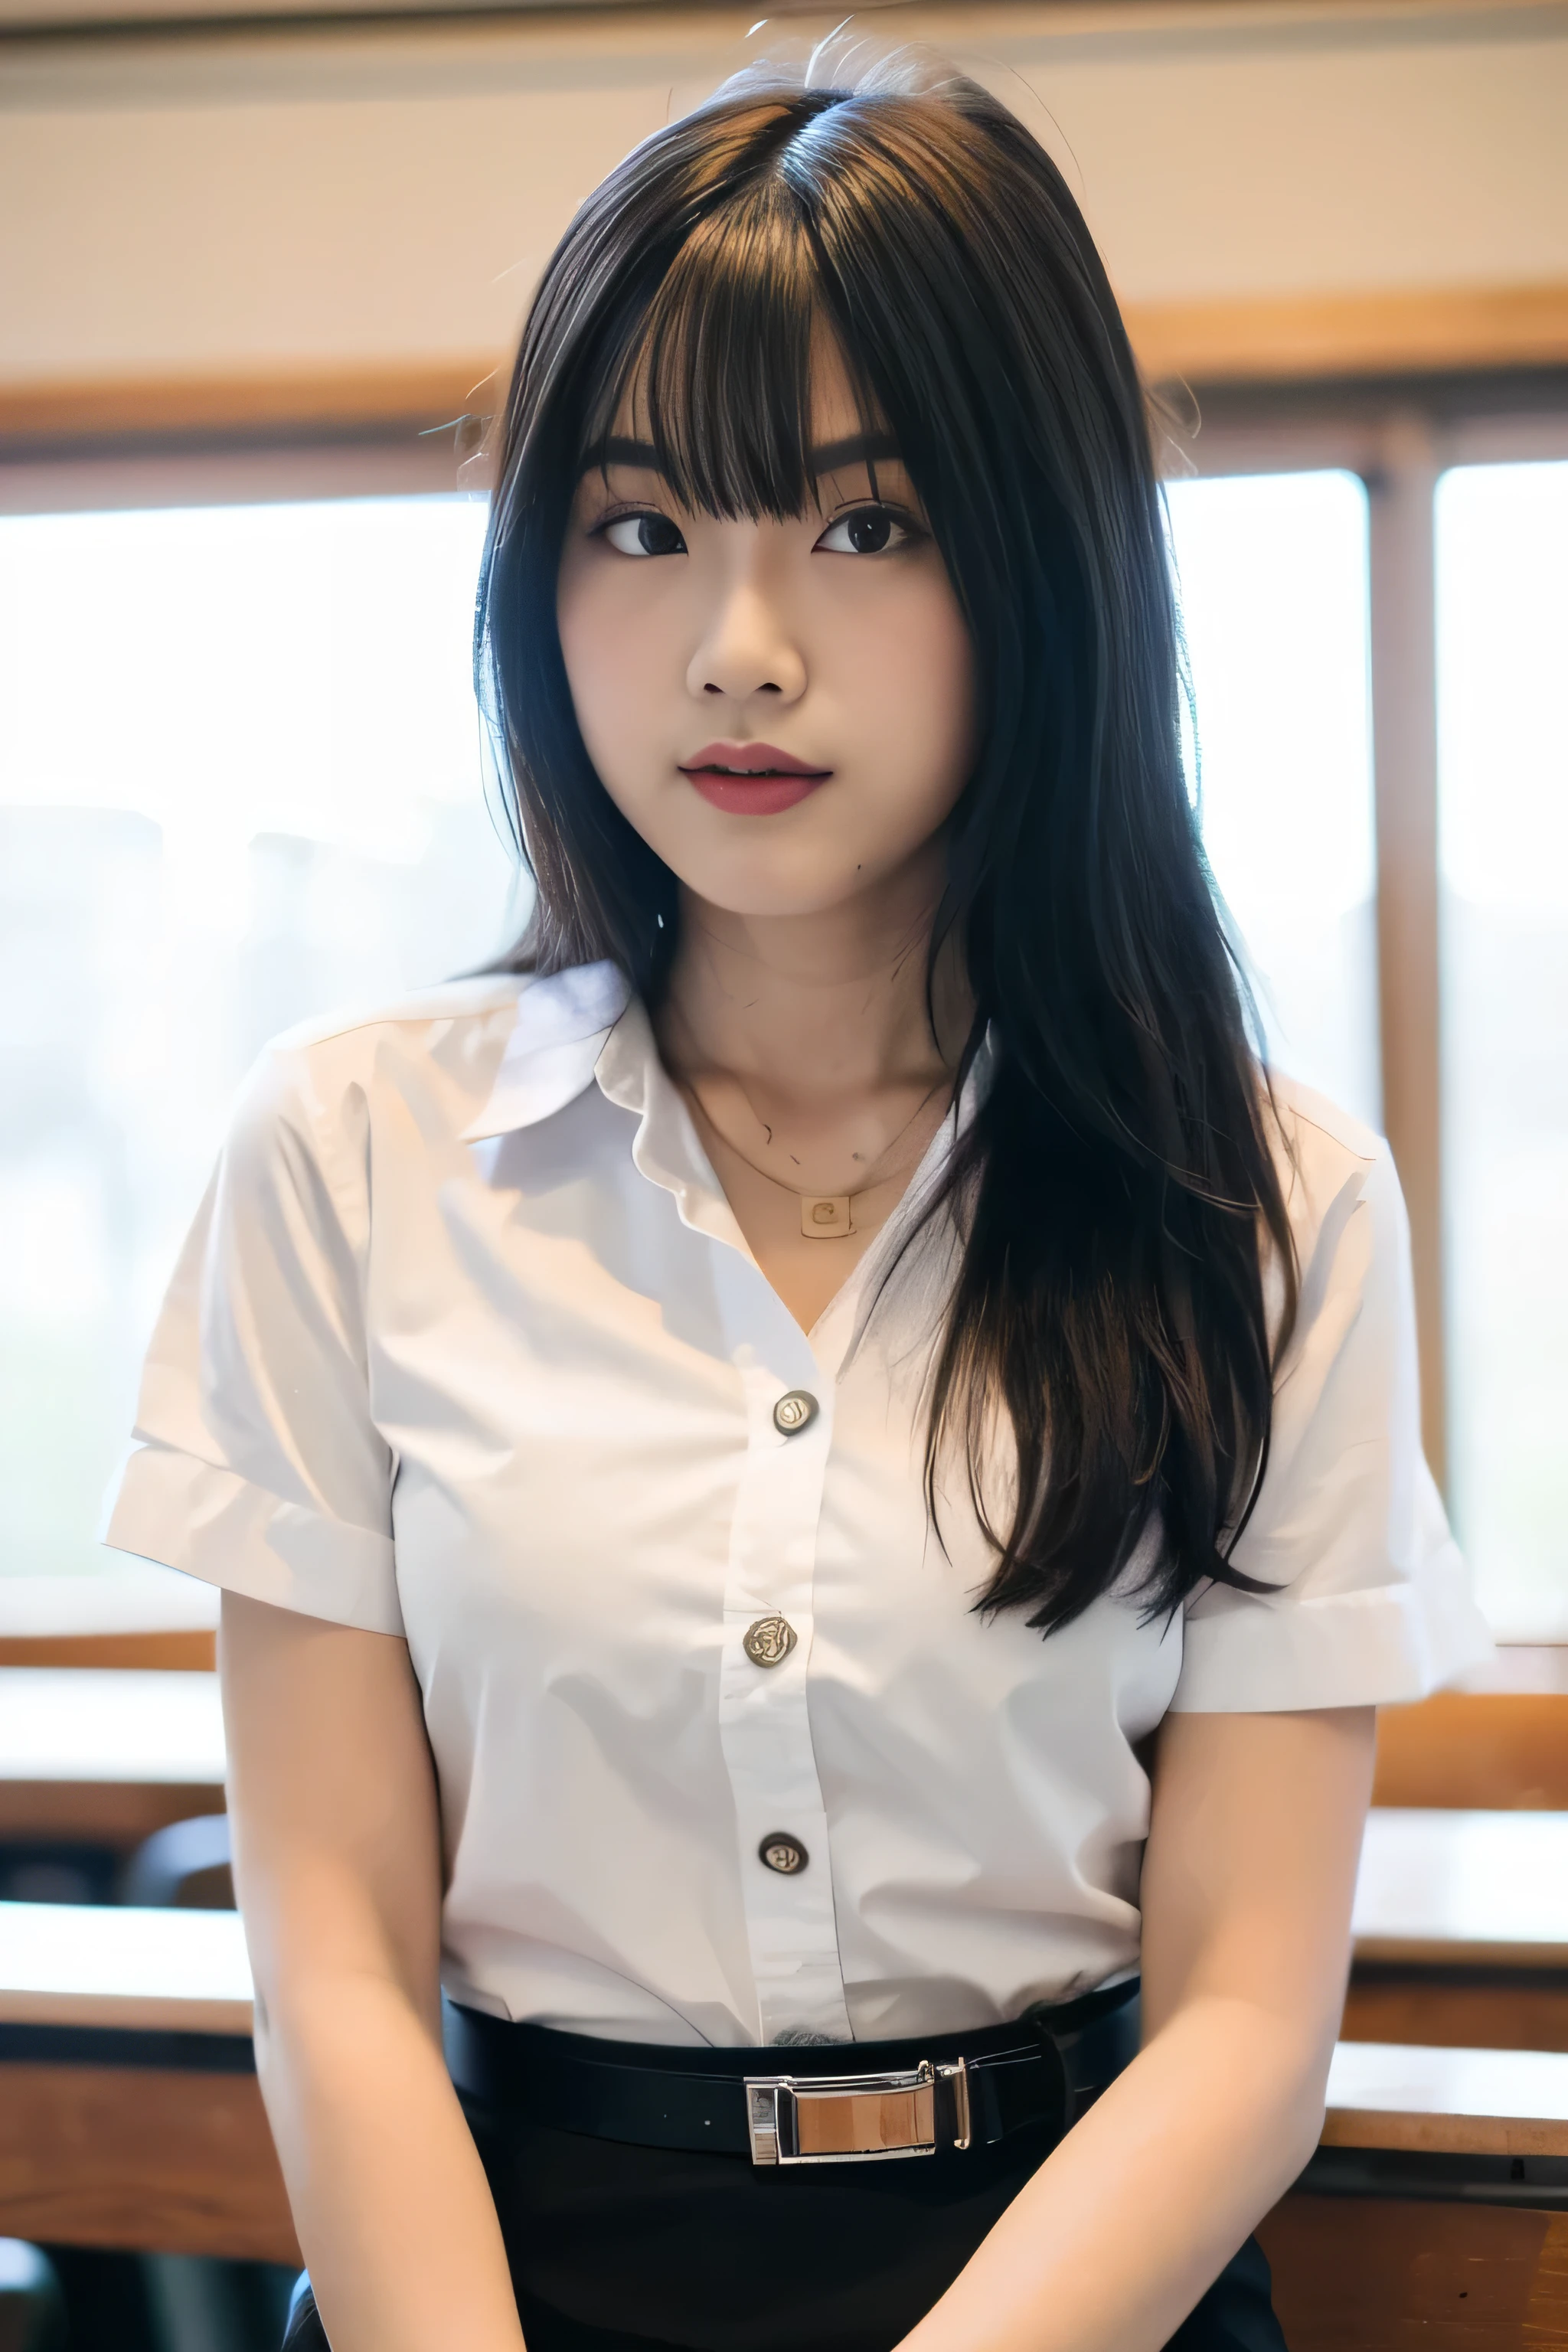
[338, 1868]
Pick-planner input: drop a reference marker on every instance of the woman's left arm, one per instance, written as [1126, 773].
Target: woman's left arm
[1247, 1883]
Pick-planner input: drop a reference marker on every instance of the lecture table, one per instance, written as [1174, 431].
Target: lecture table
[105, 1755]
[1461, 1923]
[129, 2116]
[1461, 1930]
[109, 1754]
[113, 1753]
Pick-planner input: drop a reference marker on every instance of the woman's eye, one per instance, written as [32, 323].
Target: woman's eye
[869, 531]
[645, 534]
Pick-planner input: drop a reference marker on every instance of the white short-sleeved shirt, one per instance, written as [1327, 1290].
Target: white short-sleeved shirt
[466, 1345]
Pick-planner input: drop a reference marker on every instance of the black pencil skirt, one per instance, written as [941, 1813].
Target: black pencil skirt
[621, 2249]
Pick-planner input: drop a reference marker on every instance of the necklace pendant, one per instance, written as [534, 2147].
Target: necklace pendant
[824, 1216]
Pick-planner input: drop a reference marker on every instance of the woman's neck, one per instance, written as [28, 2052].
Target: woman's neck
[822, 1005]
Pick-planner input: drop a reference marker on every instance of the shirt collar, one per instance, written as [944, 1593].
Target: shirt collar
[575, 1026]
[564, 1021]
[562, 1026]
[585, 1024]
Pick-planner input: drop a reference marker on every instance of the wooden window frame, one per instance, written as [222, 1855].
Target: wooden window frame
[1398, 434]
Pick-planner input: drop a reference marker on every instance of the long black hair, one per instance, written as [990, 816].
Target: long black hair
[1116, 1195]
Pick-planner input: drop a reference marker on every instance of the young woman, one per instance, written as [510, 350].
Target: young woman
[821, 1470]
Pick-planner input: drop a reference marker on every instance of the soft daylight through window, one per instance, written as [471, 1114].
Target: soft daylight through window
[240, 782]
[1272, 575]
[1502, 622]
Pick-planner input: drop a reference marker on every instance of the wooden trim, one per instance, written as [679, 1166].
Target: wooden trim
[118, 1813]
[1416, 2133]
[1274, 339]
[1241, 340]
[1503, 1751]
[373, 397]
[1405, 764]
[1481, 2009]
[1430, 1947]
[191, 1649]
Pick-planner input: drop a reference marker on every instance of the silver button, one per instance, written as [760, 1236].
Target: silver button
[769, 1642]
[782, 1853]
[792, 1411]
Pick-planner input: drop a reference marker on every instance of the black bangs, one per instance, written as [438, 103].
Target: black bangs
[718, 365]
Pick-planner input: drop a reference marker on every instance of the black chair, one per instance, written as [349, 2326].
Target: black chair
[186, 1865]
[199, 2303]
[32, 2309]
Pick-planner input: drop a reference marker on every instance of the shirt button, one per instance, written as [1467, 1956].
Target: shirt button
[792, 1411]
[769, 1642]
[782, 1853]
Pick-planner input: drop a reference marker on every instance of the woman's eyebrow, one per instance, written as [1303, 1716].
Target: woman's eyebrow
[617, 450]
[859, 449]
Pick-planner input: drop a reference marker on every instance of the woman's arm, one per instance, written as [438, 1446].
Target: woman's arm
[1247, 1884]
[338, 1865]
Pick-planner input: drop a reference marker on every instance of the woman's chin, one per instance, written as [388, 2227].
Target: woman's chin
[791, 895]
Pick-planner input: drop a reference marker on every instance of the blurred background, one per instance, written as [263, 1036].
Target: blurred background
[257, 269]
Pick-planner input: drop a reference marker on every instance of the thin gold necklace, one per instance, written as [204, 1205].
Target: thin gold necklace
[824, 1216]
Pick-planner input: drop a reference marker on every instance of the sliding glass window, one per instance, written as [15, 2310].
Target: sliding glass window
[1502, 695]
[1272, 576]
[240, 783]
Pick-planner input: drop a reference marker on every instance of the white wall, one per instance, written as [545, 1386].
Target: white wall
[188, 204]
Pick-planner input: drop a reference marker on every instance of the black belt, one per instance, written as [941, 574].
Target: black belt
[912, 2098]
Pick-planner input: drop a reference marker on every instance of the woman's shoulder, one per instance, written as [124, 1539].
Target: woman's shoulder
[457, 1052]
[428, 1014]
[1344, 1203]
[337, 1067]
[1315, 1131]
[1324, 1154]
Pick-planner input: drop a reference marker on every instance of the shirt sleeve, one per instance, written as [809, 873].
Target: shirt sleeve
[254, 1462]
[1370, 1602]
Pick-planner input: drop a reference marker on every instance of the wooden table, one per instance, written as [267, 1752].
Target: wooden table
[129, 2110]
[1461, 1930]
[1438, 2205]
[1435, 2211]
[137, 1616]
[1397, 2095]
[129, 2116]
[1499, 1739]
[104, 1756]
[1485, 1888]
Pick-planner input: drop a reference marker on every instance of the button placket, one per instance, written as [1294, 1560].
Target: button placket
[764, 1727]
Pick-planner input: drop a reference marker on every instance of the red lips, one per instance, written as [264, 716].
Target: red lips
[752, 778]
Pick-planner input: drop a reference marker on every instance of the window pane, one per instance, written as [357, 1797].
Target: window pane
[240, 782]
[1272, 572]
[1502, 640]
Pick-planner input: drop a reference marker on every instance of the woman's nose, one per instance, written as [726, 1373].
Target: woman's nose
[747, 648]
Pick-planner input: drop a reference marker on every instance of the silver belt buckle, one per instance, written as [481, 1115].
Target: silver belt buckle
[852, 2118]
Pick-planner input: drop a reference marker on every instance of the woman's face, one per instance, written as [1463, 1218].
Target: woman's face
[783, 710]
